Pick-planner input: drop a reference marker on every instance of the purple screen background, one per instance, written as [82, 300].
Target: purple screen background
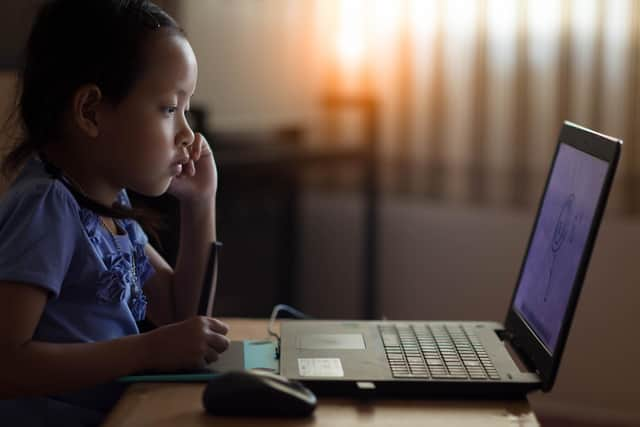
[558, 243]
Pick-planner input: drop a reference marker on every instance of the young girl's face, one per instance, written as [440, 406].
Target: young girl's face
[144, 139]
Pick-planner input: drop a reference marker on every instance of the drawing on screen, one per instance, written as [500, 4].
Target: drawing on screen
[565, 224]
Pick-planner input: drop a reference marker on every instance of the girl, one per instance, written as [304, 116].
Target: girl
[105, 88]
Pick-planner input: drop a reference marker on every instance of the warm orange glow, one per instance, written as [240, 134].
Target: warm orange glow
[351, 34]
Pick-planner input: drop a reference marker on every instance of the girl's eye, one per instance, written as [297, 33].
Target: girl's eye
[170, 110]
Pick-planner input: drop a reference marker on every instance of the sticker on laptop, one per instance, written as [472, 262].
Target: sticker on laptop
[326, 367]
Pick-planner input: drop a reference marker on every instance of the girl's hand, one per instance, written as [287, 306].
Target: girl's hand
[189, 344]
[198, 181]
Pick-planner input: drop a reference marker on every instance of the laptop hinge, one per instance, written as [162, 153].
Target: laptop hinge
[524, 363]
[504, 335]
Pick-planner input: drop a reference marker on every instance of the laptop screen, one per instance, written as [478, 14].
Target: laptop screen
[558, 241]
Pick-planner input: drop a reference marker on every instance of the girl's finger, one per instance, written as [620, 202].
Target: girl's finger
[218, 326]
[218, 342]
[197, 150]
[211, 356]
[192, 168]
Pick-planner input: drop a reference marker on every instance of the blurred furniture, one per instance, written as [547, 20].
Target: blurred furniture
[258, 205]
[180, 404]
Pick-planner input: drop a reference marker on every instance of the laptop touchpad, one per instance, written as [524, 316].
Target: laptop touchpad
[331, 342]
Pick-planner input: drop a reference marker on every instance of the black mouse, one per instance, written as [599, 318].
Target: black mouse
[257, 393]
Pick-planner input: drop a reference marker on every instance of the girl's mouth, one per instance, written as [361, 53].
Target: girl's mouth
[176, 169]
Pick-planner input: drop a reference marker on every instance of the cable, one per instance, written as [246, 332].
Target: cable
[274, 314]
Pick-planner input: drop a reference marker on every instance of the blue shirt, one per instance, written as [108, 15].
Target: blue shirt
[93, 279]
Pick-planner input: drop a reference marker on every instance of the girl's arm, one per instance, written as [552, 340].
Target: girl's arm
[29, 367]
[197, 232]
[174, 294]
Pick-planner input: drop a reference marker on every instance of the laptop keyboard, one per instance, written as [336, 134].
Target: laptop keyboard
[442, 351]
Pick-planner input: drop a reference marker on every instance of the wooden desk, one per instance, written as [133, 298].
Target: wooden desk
[158, 405]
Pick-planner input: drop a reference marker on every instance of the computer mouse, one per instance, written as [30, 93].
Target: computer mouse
[257, 393]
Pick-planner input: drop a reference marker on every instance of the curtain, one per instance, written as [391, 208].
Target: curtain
[473, 93]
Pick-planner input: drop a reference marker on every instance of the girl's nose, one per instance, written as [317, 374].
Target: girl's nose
[187, 142]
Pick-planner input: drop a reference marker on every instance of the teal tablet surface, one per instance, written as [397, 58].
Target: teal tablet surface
[248, 354]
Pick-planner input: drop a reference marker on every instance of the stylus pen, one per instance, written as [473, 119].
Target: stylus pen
[209, 279]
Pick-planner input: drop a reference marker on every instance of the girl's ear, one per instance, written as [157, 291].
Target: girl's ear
[86, 102]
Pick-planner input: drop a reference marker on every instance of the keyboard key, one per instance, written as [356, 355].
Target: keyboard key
[478, 377]
[390, 340]
[443, 375]
[454, 365]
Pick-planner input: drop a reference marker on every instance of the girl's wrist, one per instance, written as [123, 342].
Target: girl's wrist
[145, 352]
[198, 210]
[202, 205]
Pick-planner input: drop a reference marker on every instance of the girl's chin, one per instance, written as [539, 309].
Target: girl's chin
[154, 190]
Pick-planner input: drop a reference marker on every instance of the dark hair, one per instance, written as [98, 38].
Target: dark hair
[72, 43]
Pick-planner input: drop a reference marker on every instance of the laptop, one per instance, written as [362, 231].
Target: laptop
[456, 358]
[482, 358]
